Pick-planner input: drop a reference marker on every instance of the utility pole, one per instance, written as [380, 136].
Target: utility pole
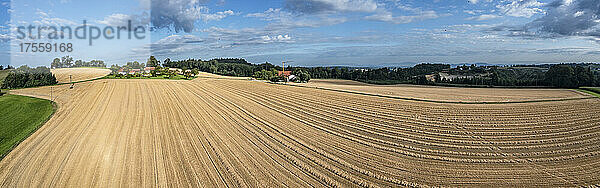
[71, 80]
[283, 64]
[283, 68]
[51, 95]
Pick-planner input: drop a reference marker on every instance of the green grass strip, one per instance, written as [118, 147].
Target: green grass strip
[591, 90]
[21, 116]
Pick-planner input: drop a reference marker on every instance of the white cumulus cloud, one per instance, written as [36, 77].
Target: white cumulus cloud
[521, 8]
[387, 16]
[181, 15]
[321, 6]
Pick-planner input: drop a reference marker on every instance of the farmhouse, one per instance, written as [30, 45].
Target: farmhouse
[149, 69]
[135, 71]
[430, 77]
[284, 73]
[122, 71]
[291, 77]
[450, 77]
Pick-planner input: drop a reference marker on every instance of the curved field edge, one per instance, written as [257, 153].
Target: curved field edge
[58, 84]
[591, 90]
[440, 101]
[20, 117]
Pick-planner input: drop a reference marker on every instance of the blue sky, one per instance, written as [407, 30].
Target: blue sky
[320, 32]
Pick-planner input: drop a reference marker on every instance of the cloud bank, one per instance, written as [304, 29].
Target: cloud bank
[327, 6]
[570, 18]
[563, 18]
[181, 15]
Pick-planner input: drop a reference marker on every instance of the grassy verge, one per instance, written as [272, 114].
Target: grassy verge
[20, 117]
[591, 90]
[178, 77]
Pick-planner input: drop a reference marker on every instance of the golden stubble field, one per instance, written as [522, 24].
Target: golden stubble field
[79, 74]
[449, 94]
[237, 133]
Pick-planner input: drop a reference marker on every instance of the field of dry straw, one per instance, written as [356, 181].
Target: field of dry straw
[237, 133]
[78, 74]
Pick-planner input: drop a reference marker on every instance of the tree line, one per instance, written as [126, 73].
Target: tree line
[8, 67]
[157, 71]
[24, 76]
[547, 75]
[408, 75]
[239, 67]
[560, 75]
[227, 67]
[67, 62]
[300, 75]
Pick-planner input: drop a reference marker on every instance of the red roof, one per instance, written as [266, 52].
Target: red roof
[150, 68]
[284, 73]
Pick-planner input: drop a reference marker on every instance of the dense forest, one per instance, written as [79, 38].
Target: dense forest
[558, 75]
[411, 75]
[24, 76]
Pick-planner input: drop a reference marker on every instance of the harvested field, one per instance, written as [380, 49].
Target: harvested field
[236, 133]
[216, 76]
[451, 94]
[79, 74]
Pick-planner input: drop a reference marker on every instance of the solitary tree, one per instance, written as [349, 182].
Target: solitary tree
[167, 62]
[303, 76]
[55, 63]
[66, 61]
[187, 74]
[78, 63]
[152, 62]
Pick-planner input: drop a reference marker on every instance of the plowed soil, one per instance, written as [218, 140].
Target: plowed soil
[448, 94]
[237, 133]
[78, 74]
